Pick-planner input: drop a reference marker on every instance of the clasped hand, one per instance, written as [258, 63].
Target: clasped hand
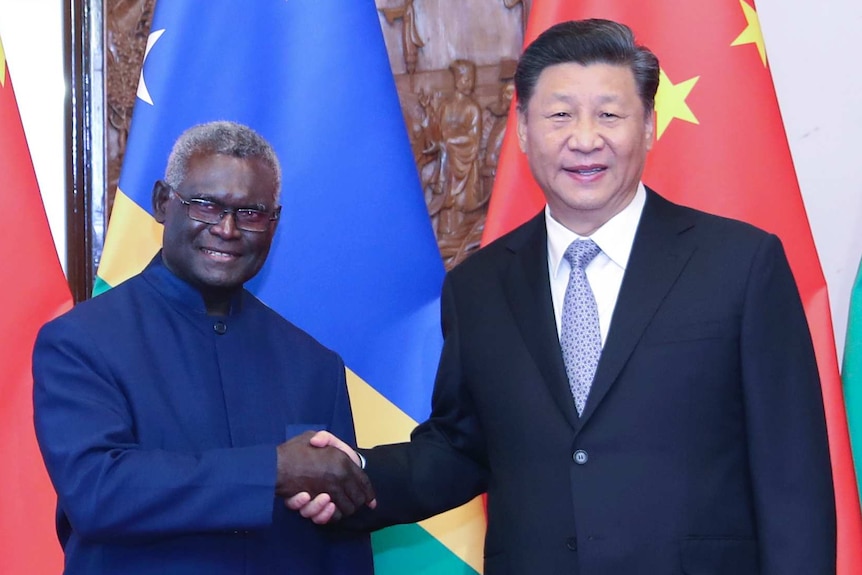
[320, 476]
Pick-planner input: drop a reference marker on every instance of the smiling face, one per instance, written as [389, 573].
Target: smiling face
[216, 258]
[586, 135]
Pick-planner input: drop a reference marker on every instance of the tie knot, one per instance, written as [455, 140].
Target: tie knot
[580, 253]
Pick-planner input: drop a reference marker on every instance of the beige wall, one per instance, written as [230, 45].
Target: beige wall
[814, 51]
[32, 36]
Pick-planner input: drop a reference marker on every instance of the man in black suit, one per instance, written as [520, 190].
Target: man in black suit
[699, 445]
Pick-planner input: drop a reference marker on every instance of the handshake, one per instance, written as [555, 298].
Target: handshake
[320, 476]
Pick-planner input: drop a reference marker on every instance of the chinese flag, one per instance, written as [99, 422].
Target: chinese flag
[720, 147]
[33, 290]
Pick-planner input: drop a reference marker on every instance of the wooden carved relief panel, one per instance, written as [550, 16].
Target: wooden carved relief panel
[127, 25]
[453, 62]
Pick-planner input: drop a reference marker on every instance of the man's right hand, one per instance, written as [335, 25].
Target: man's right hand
[324, 474]
[320, 509]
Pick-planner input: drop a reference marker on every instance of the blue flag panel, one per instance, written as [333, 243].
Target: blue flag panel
[354, 261]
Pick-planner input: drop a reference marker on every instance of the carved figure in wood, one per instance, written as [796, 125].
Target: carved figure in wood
[424, 138]
[525, 10]
[410, 39]
[460, 134]
[499, 113]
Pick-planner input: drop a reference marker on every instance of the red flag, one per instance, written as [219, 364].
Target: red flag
[721, 147]
[34, 290]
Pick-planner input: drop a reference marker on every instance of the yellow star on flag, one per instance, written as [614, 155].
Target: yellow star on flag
[2, 65]
[752, 33]
[670, 102]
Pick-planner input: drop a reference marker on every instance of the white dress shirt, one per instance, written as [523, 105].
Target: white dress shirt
[605, 272]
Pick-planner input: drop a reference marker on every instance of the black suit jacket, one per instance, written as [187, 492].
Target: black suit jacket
[702, 447]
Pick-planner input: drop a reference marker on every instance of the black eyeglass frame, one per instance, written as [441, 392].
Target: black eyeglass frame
[238, 219]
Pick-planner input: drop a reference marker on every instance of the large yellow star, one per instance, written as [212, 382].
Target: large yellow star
[670, 102]
[752, 33]
[2, 65]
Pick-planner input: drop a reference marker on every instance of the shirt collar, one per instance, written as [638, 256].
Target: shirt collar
[615, 237]
[183, 295]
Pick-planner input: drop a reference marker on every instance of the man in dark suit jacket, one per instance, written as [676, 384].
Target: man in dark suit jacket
[702, 445]
[169, 409]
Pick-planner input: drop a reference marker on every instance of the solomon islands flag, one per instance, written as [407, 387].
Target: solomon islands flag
[354, 261]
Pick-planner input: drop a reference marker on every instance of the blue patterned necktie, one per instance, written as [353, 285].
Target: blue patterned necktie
[580, 338]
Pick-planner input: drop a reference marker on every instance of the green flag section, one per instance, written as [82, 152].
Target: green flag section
[851, 374]
[34, 291]
[408, 549]
[354, 261]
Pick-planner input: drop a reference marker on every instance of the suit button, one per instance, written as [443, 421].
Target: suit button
[580, 456]
[572, 543]
[220, 327]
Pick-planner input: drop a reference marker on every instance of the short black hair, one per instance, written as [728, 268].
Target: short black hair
[587, 42]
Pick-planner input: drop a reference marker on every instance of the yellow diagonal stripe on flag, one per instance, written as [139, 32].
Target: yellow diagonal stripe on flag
[133, 239]
[378, 420]
[2, 65]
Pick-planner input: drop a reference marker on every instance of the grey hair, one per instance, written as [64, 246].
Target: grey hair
[588, 42]
[221, 137]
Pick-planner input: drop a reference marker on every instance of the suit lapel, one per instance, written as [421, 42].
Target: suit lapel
[528, 290]
[657, 258]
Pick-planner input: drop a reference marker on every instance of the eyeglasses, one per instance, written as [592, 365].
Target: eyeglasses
[209, 212]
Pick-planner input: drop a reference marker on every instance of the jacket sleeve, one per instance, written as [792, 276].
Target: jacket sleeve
[785, 422]
[108, 486]
[444, 464]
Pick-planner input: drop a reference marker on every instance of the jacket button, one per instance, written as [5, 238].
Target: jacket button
[580, 456]
[572, 543]
[220, 327]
